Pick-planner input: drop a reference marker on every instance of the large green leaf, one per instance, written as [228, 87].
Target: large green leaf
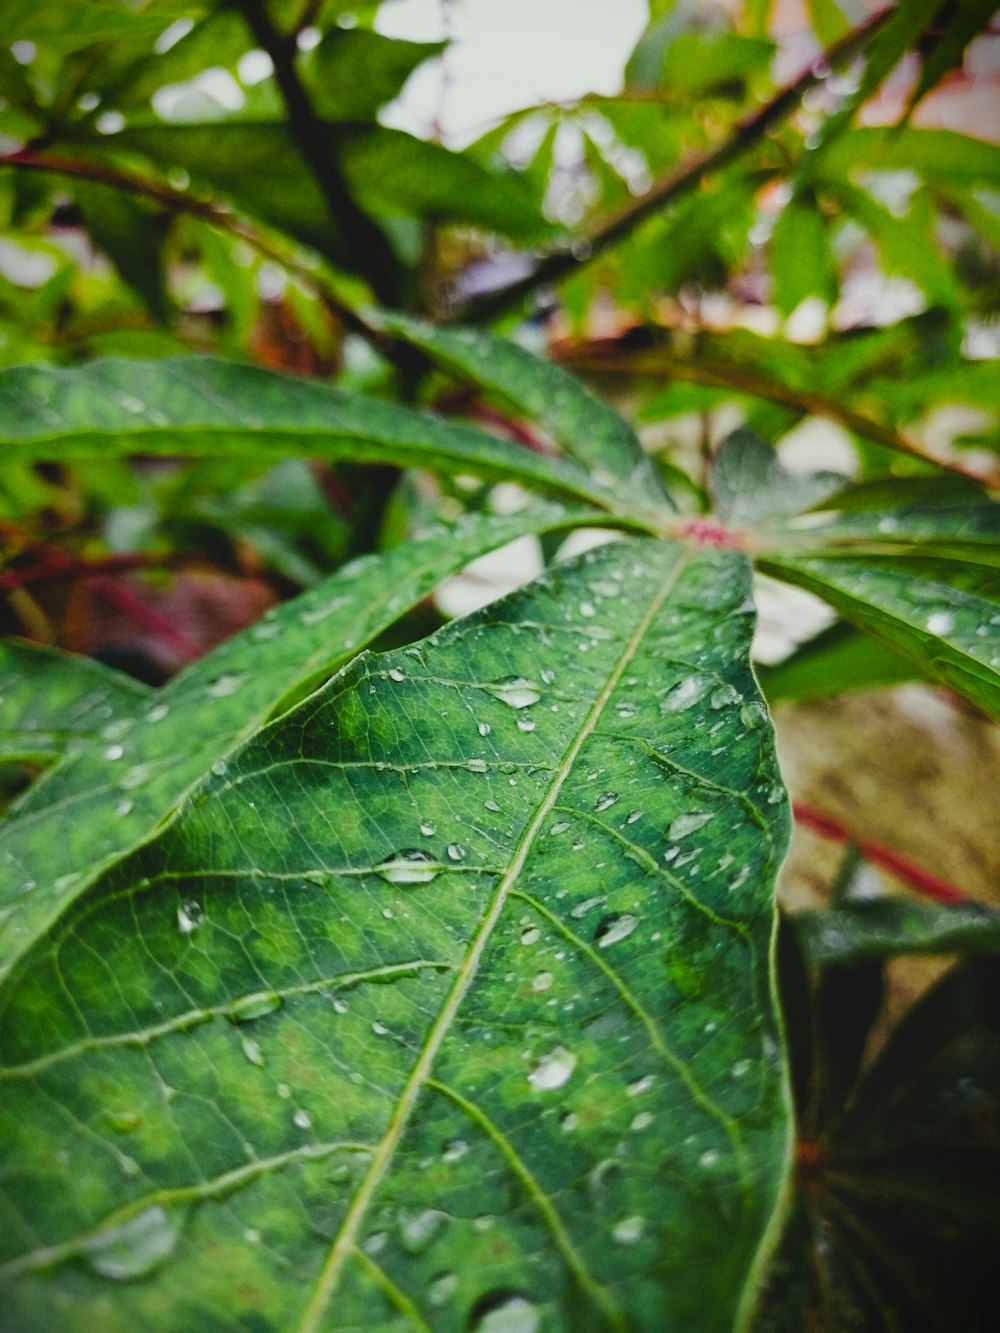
[117, 781]
[916, 609]
[200, 406]
[444, 1002]
[884, 927]
[49, 700]
[839, 658]
[584, 426]
[940, 157]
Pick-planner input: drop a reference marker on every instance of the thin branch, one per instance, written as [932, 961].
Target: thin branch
[739, 379]
[932, 886]
[672, 186]
[366, 243]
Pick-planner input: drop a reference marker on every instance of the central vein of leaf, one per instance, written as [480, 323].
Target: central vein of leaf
[344, 1243]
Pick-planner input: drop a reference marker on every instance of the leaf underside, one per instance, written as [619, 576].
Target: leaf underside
[445, 1002]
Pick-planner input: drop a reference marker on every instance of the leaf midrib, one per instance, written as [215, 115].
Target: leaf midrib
[344, 1243]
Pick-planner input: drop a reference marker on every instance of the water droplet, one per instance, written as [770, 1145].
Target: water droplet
[223, 686]
[428, 829]
[741, 1068]
[515, 691]
[581, 909]
[640, 1085]
[526, 724]
[418, 1229]
[124, 807]
[189, 917]
[252, 1051]
[477, 766]
[633, 816]
[409, 866]
[606, 801]
[553, 1070]
[505, 1313]
[531, 935]
[492, 805]
[255, 1005]
[542, 982]
[559, 827]
[132, 1248]
[686, 693]
[625, 712]
[708, 1158]
[629, 1230]
[251, 1235]
[723, 696]
[614, 927]
[547, 675]
[219, 768]
[114, 752]
[643, 1120]
[941, 622]
[454, 1150]
[484, 728]
[686, 824]
[456, 852]
[441, 1289]
[125, 1122]
[157, 713]
[588, 609]
[302, 1120]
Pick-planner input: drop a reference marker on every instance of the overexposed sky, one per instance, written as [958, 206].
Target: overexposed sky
[509, 54]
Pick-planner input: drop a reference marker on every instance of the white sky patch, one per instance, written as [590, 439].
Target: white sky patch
[509, 54]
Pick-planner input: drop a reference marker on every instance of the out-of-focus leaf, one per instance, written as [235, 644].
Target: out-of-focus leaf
[839, 658]
[951, 634]
[130, 233]
[939, 157]
[68, 25]
[961, 22]
[801, 261]
[49, 700]
[354, 71]
[322, 1077]
[199, 406]
[885, 927]
[145, 759]
[826, 18]
[584, 426]
[894, 1218]
[749, 484]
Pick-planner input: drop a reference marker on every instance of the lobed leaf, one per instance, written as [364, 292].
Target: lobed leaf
[445, 1001]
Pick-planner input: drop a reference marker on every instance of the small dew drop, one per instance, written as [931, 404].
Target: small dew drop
[252, 1051]
[559, 827]
[526, 724]
[397, 674]
[189, 917]
[158, 713]
[484, 728]
[515, 691]
[941, 622]
[114, 752]
[684, 825]
[643, 1120]
[633, 816]
[617, 926]
[542, 981]
[223, 686]
[428, 829]
[418, 1230]
[606, 800]
[640, 1085]
[454, 1150]
[629, 1230]
[553, 1070]
[686, 693]
[708, 1158]
[587, 609]
[531, 935]
[133, 1248]
[409, 866]
[456, 852]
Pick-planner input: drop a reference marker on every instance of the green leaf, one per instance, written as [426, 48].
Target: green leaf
[839, 658]
[827, 21]
[749, 484]
[354, 71]
[68, 25]
[398, 1022]
[885, 927]
[581, 423]
[801, 261]
[939, 157]
[199, 406]
[49, 700]
[146, 756]
[917, 610]
[960, 24]
[893, 1219]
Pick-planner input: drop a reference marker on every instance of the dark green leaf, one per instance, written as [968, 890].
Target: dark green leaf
[800, 255]
[749, 484]
[884, 927]
[398, 1019]
[838, 659]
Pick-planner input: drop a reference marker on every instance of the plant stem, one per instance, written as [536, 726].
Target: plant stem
[366, 243]
[672, 186]
[931, 886]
